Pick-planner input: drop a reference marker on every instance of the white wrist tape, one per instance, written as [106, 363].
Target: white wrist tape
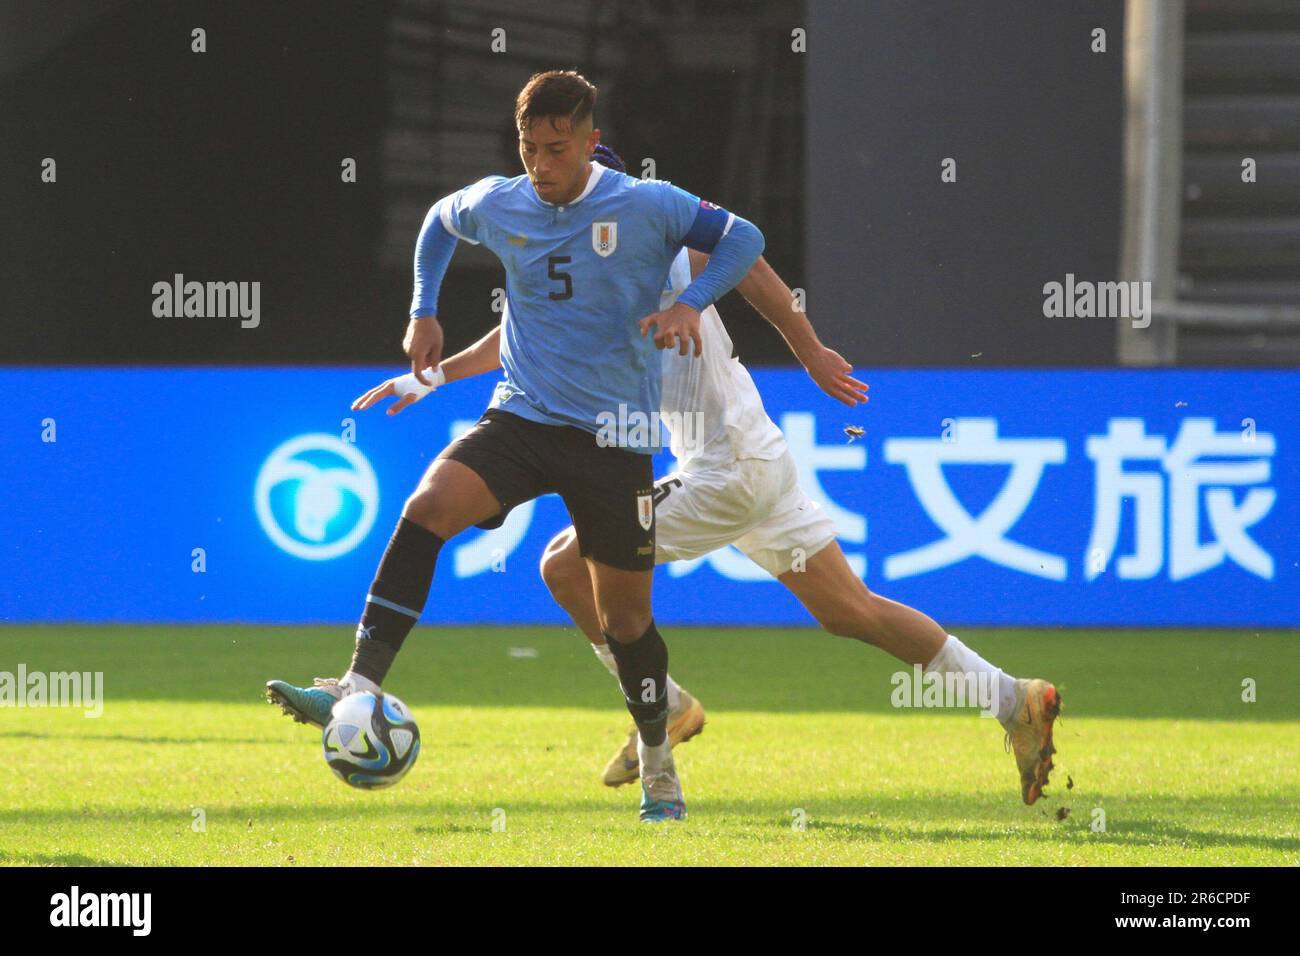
[408, 384]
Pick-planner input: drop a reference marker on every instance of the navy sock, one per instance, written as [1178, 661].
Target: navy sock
[643, 673]
[396, 598]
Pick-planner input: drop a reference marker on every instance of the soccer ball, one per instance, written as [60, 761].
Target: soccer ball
[371, 742]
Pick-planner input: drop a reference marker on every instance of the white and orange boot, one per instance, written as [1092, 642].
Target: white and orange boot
[1029, 734]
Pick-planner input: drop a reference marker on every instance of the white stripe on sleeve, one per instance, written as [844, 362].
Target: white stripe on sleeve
[446, 223]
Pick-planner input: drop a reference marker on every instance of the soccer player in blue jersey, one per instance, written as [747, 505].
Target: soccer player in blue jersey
[587, 251]
[736, 483]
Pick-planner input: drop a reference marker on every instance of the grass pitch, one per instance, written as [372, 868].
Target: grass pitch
[188, 765]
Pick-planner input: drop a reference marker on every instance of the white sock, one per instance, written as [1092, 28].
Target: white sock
[354, 683]
[654, 759]
[956, 658]
[606, 657]
[674, 695]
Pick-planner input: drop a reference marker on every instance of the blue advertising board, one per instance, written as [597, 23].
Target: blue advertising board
[1044, 498]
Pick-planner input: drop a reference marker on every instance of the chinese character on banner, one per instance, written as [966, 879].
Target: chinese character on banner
[1201, 458]
[966, 535]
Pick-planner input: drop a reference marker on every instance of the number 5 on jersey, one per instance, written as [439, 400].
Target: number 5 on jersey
[564, 277]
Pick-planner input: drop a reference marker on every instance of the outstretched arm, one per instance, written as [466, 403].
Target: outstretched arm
[776, 302]
[483, 356]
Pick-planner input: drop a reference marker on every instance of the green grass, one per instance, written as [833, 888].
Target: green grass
[1154, 732]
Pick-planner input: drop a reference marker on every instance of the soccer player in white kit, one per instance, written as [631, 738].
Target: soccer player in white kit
[736, 484]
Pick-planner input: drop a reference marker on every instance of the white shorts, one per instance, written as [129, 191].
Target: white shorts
[756, 505]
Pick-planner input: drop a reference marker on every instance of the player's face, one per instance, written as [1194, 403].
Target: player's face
[556, 157]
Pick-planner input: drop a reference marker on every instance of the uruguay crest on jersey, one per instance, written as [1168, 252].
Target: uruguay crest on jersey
[604, 237]
[645, 509]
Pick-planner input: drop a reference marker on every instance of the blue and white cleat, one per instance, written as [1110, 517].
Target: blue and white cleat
[306, 705]
[661, 796]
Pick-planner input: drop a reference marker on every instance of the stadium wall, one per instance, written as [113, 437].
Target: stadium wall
[960, 157]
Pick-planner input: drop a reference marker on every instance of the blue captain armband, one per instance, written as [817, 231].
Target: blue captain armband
[710, 225]
[733, 252]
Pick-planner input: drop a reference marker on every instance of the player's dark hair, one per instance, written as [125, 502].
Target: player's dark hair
[607, 157]
[555, 95]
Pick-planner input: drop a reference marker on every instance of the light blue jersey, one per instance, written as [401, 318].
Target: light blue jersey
[580, 276]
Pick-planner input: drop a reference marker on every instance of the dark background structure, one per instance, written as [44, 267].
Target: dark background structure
[225, 165]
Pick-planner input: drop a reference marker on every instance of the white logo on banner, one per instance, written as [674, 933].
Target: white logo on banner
[313, 517]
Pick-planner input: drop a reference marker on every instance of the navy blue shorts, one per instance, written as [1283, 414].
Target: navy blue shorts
[609, 491]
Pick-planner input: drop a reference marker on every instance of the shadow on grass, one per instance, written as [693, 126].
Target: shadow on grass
[8, 858]
[442, 829]
[139, 739]
[1186, 673]
[840, 818]
[1143, 833]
